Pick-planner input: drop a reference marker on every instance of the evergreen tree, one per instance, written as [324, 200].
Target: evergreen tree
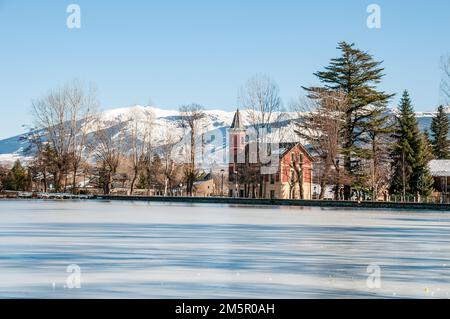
[356, 74]
[425, 181]
[3, 177]
[410, 155]
[440, 128]
[143, 181]
[18, 178]
[428, 147]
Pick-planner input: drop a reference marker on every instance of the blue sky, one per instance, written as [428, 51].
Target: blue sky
[177, 52]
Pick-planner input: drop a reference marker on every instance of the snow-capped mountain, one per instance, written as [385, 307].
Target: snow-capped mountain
[167, 121]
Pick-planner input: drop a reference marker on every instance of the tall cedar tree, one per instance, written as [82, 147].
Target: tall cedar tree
[356, 74]
[439, 130]
[410, 155]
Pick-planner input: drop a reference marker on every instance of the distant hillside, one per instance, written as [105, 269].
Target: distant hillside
[167, 120]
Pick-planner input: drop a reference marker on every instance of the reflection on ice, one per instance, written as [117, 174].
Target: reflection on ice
[140, 250]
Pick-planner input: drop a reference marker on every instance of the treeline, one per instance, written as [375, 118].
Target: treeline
[361, 149]
[72, 148]
[17, 178]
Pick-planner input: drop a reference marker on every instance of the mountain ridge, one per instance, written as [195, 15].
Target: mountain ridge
[13, 148]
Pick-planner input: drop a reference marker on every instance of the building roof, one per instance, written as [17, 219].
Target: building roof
[287, 147]
[440, 168]
[237, 123]
[282, 149]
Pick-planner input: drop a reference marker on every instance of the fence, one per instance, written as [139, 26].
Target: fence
[443, 198]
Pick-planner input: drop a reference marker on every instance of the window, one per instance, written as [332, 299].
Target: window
[272, 179]
[292, 176]
[292, 157]
[300, 158]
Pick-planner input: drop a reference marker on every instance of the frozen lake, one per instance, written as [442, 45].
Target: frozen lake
[143, 250]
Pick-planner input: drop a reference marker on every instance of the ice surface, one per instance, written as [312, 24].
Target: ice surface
[142, 250]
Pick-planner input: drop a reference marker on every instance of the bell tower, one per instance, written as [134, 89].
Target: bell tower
[236, 146]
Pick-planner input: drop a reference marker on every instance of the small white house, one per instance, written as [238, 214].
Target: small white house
[440, 170]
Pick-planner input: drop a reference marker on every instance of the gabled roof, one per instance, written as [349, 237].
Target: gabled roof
[237, 123]
[287, 147]
[440, 168]
[282, 149]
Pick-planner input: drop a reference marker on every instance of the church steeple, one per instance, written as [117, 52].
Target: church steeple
[236, 141]
[237, 123]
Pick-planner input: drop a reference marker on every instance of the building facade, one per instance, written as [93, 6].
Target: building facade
[440, 170]
[287, 177]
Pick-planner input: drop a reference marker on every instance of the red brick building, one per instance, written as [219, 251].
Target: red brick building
[289, 178]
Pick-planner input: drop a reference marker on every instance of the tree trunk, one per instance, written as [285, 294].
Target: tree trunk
[375, 164]
[44, 179]
[133, 181]
[324, 181]
[106, 184]
[347, 156]
[74, 179]
[166, 186]
[323, 186]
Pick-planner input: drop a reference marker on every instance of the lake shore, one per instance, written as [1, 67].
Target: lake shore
[284, 202]
[244, 201]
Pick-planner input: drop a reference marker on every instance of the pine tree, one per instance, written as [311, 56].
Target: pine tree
[18, 178]
[410, 154]
[3, 177]
[428, 147]
[440, 128]
[356, 74]
[424, 179]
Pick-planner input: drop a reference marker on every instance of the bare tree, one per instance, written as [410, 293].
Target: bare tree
[140, 142]
[192, 119]
[107, 148]
[320, 123]
[62, 117]
[84, 105]
[170, 140]
[260, 97]
[379, 133]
